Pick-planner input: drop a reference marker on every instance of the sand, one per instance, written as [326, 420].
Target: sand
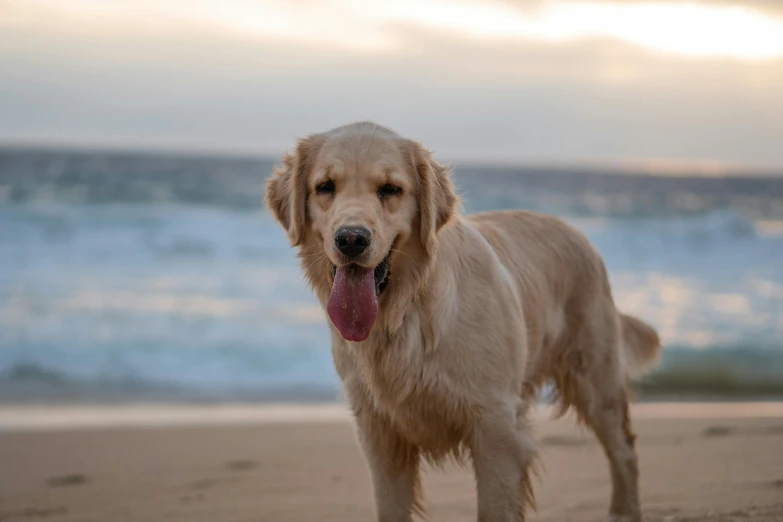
[699, 462]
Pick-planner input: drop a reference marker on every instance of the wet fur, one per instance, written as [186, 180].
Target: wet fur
[481, 311]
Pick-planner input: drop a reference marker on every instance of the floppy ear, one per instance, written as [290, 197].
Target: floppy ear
[437, 199]
[286, 191]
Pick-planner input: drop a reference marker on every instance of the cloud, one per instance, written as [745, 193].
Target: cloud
[688, 29]
[193, 84]
[774, 7]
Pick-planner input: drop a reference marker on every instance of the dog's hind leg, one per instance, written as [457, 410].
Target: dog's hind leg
[612, 426]
[601, 400]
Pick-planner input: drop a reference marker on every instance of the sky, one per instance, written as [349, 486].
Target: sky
[526, 81]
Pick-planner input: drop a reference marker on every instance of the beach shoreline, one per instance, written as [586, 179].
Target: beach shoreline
[79, 416]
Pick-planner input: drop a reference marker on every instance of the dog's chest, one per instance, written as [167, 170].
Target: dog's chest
[413, 393]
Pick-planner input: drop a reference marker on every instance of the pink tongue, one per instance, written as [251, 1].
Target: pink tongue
[353, 305]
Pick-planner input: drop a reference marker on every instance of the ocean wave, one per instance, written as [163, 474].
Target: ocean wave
[88, 178]
[30, 383]
[736, 372]
[722, 371]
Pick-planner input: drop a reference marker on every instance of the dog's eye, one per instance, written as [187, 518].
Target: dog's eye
[389, 190]
[327, 187]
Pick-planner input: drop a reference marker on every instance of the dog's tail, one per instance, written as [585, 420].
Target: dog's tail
[640, 346]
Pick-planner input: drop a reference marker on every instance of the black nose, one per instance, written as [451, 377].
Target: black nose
[352, 241]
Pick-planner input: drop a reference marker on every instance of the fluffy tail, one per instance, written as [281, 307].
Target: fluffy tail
[641, 347]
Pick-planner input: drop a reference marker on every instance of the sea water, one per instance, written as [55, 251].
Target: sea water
[139, 276]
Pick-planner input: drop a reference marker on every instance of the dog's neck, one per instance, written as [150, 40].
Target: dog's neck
[420, 291]
[409, 284]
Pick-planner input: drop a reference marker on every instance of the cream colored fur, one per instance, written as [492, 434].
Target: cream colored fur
[480, 311]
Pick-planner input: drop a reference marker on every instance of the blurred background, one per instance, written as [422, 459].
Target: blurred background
[137, 261]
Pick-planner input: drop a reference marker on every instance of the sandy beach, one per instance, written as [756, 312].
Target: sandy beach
[699, 462]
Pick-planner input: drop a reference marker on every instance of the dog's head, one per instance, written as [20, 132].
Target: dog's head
[358, 201]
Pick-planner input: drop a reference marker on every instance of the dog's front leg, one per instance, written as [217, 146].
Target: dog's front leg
[502, 452]
[394, 466]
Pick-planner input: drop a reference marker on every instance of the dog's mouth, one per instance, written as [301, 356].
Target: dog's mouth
[382, 272]
[353, 301]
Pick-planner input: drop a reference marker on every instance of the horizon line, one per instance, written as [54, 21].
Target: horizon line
[666, 167]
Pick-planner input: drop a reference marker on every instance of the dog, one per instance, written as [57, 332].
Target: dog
[445, 326]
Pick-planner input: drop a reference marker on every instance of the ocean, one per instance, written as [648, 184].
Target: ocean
[162, 277]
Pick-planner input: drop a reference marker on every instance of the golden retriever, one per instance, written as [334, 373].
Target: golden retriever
[444, 326]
